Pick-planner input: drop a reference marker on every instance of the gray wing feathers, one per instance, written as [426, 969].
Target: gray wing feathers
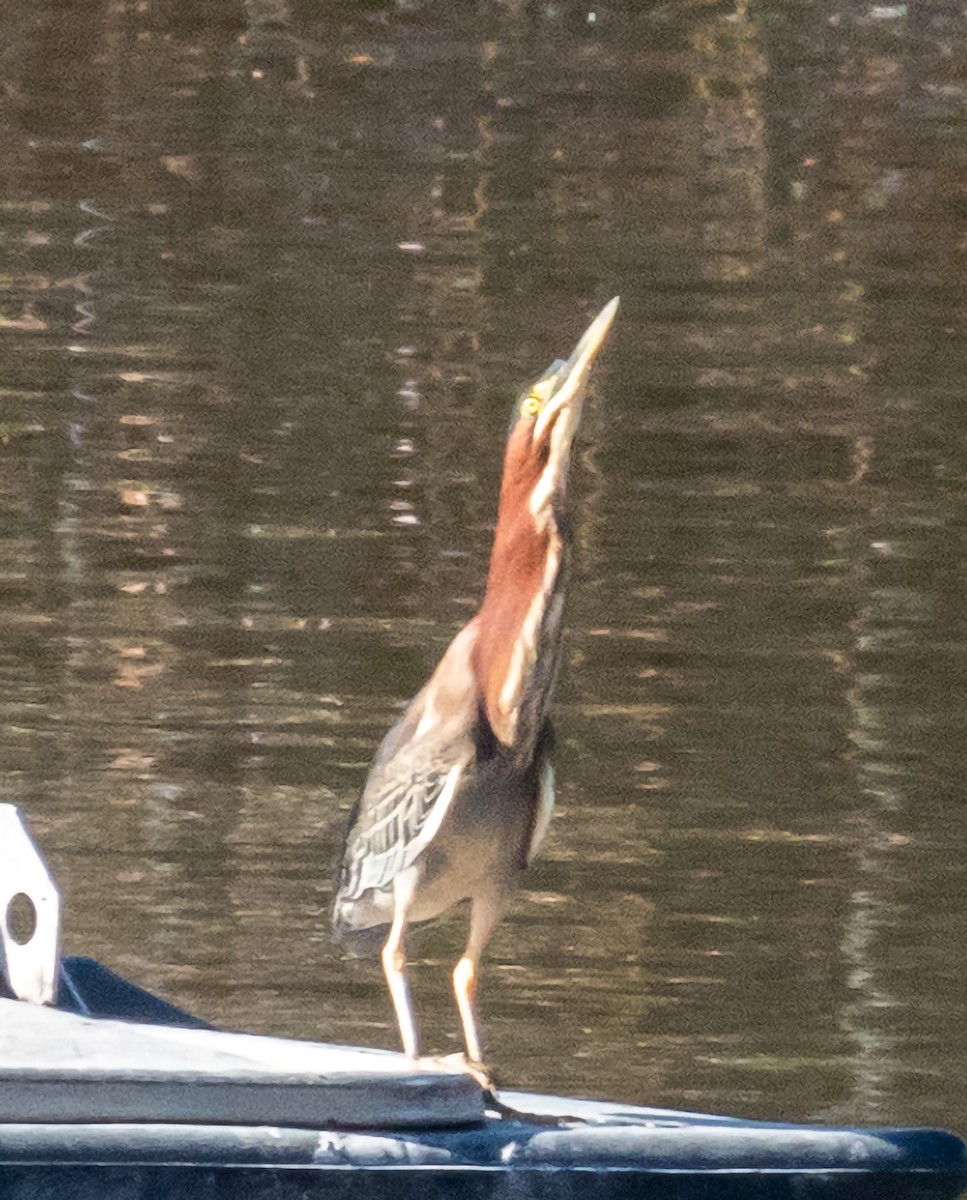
[398, 827]
[416, 776]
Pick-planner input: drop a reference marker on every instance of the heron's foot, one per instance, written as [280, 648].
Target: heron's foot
[476, 1070]
[492, 1101]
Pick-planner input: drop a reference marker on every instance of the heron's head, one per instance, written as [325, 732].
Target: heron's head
[545, 419]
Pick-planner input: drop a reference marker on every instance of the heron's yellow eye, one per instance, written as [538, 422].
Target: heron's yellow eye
[531, 405]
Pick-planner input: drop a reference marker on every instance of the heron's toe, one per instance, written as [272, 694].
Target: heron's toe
[476, 1070]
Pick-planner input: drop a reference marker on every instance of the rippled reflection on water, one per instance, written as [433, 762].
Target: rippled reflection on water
[269, 287]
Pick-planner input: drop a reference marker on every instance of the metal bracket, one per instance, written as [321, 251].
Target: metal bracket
[29, 913]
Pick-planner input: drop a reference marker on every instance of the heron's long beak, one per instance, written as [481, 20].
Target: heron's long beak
[566, 401]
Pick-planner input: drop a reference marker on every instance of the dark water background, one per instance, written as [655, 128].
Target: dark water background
[270, 279]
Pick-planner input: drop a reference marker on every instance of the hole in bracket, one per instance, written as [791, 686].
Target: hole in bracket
[21, 918]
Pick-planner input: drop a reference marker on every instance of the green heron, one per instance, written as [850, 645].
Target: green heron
[461, 790]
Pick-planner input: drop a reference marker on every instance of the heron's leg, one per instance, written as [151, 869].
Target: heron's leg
[394, 968]
[484, 913]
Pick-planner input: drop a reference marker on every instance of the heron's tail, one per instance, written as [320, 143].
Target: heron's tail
[360, 926]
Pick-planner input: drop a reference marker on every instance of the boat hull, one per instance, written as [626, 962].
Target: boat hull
[161, 1106]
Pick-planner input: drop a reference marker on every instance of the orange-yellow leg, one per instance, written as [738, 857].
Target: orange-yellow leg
[394, 968]
[483, 916]
[465, 990]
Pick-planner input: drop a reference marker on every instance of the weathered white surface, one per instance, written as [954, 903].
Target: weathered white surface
[56, 1066]
[31, 969]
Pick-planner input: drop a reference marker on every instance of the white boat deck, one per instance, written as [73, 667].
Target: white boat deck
[58, 1066]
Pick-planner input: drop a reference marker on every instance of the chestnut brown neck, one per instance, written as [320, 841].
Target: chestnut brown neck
[515, 658]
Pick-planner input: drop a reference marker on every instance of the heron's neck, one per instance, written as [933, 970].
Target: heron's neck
[516, 655]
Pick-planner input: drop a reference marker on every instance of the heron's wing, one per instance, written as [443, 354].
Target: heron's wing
[395, 826]
[416, 775]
